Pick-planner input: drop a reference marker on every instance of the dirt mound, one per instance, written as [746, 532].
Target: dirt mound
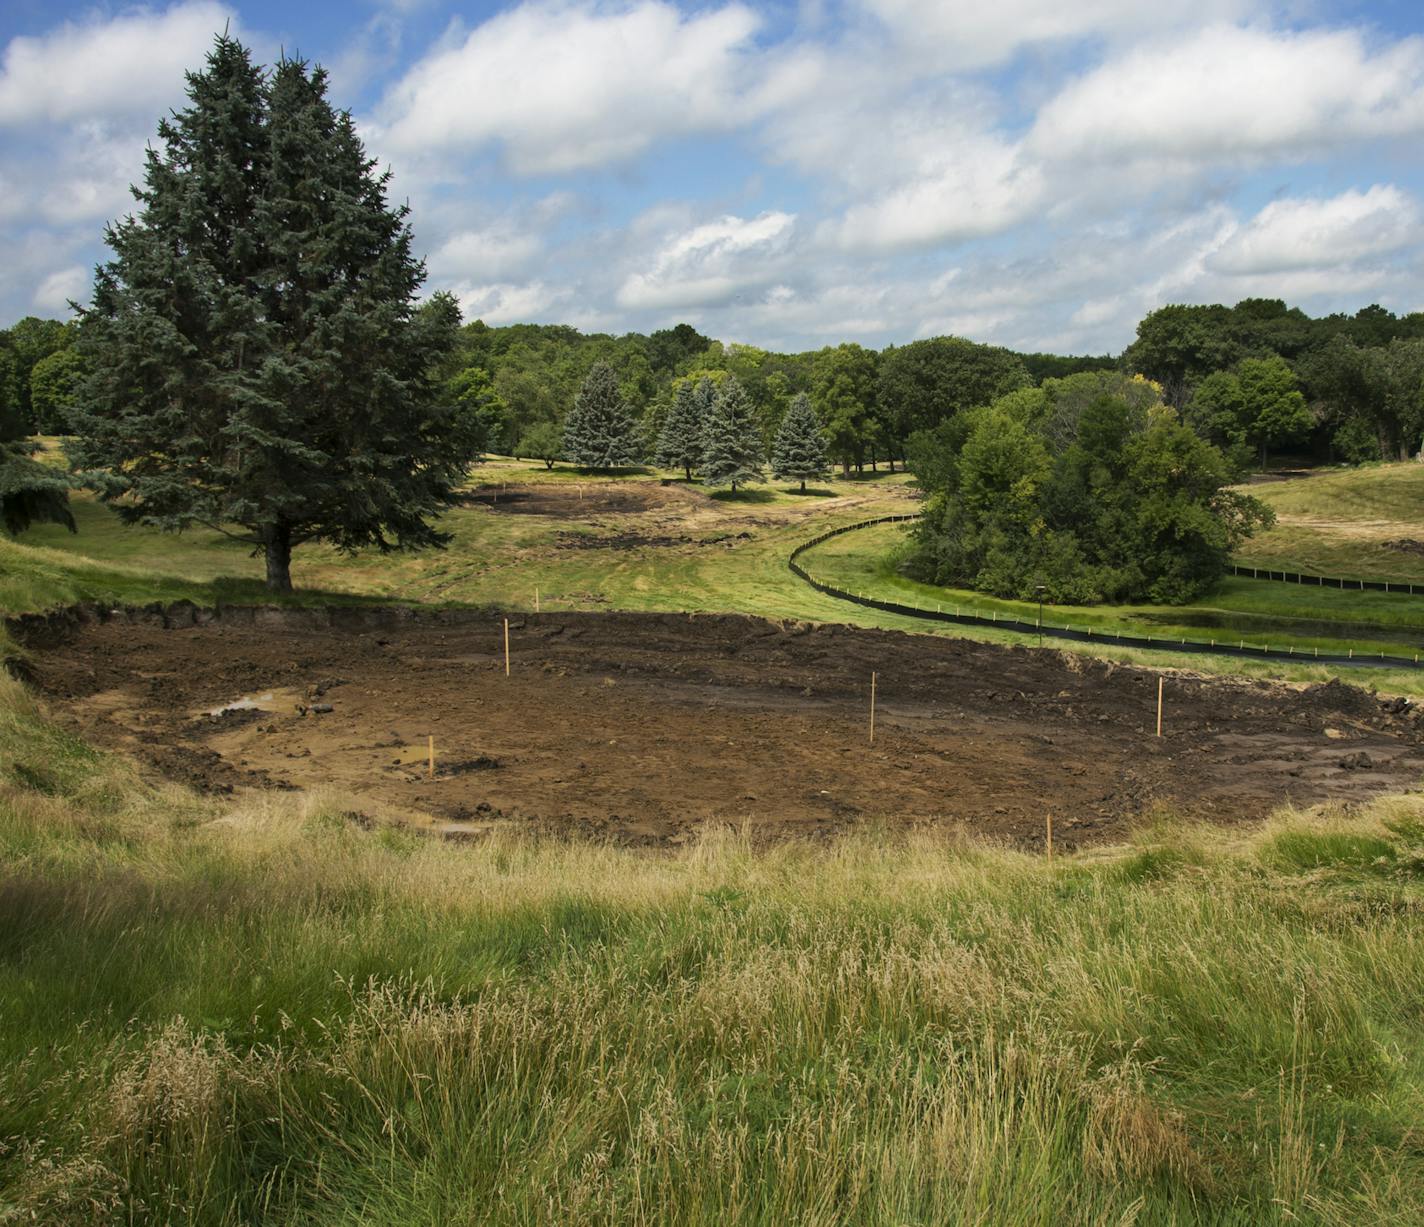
[1406, 545]
[645, 727]
[1338, 698]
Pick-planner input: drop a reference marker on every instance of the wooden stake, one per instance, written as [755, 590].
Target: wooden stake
[432, 756]
[536, 600]
[872, 709]
[1160, 680]
[1048, 819]
[506, 647]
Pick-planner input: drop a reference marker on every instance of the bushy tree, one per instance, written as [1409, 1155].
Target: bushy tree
[54, 384]
[1256, 405]
[799, 452]
[1275, 411]
[680, 444]
[1134, 508]
[732, 445]
[542, 441]
[599, 432]
[844, 391]
[255, 357]
[30, 341]
[474, 392]
[921, 384]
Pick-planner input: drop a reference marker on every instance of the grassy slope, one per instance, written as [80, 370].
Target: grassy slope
[1336, 523]
[236, 1010]
[223, 1012]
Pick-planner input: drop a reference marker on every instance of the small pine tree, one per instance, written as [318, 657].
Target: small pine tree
[800, 448]
[600, 433]
[680, 445]
[731, 439]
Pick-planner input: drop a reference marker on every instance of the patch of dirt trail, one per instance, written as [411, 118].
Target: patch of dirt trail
[644, 727]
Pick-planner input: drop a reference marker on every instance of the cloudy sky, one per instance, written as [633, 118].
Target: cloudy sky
[1036, 173]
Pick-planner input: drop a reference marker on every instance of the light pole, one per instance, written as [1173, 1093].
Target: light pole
[1040, 589]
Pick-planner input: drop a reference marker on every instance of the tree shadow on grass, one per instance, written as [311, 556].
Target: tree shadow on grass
[744, 496]
[882, 475]
[810, 492]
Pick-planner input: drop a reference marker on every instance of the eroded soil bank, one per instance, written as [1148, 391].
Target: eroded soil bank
[643, 727]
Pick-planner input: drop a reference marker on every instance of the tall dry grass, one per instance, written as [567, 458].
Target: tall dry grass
[261, 1011]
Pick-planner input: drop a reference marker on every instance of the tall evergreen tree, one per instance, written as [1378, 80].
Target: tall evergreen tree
[732, 446]
[256, 359]
[680, 445]
[800, 448]
[599, 432]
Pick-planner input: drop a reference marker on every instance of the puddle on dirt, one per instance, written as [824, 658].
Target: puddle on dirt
[246, 703]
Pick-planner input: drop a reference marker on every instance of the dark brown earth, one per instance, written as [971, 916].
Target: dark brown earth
[643, 727]
[579, 500]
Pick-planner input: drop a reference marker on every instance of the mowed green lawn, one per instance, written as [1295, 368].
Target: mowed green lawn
[1240, 610]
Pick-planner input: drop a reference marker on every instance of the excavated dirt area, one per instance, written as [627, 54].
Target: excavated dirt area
[643, 727]
[580, 501]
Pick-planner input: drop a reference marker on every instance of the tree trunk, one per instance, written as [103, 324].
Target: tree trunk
[803, 485]
[1263, 457]
[278, 546]
[687, 468]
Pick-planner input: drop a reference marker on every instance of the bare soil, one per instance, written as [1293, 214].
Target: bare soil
[642, 728]
[579, 501]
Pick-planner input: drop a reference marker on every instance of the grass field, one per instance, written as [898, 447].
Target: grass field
[502, 560]
[1339, 523]
[1241, 610]
[258, 1011]
[261, 1009]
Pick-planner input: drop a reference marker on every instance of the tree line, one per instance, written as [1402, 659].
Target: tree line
[257, 358]
[1261, 376]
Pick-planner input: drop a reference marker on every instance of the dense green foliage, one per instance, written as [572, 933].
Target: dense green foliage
[681, 439]
[600, 432]
[1087, 487]
[256, 361]
[1254, 406]
[1361, 376]
[800, 448]
[732, 449]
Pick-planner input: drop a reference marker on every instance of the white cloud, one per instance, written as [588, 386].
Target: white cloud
[1294, 235]
[566, 86]
[711, 263]
[56, 290]
[977, 35]
[130, 64]
[1232, 93]
[484, 255]
[508, 303]
[983, 188]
